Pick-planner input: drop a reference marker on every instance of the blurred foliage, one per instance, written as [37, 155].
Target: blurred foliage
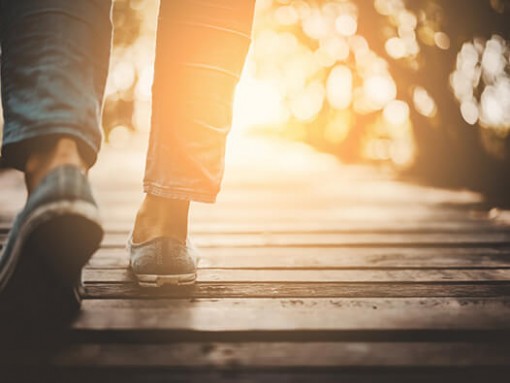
[127, 105]
[423, 85]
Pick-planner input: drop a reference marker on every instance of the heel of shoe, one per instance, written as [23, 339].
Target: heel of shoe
[66, 240]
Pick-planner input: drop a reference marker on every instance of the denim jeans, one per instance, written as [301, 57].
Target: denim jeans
[55, 57]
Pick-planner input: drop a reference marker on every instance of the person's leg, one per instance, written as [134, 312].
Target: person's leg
[54, 63]
[200, 52]
[55, 57]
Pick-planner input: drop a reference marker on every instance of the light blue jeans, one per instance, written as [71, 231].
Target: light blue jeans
[55, 57]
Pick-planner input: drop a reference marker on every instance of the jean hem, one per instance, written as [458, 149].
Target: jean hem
[16, 151]
[178, 193]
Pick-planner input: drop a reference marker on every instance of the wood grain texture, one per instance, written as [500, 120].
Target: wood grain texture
[334, 240]
[299, 290]
[317, 276]
[347, 314]
[285, 355]
[330, 258]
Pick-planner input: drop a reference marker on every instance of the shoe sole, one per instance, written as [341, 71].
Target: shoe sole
[52, 246]
[156, 280]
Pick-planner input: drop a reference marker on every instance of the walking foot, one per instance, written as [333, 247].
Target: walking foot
[50, 241]
[160, 250]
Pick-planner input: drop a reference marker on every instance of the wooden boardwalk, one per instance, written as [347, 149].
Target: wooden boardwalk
[311, 271]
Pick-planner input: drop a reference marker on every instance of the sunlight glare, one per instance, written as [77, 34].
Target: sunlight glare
[495, 104]
[338, 127]
[336, 48]
[469, 111]
[481, 83]
[286, 15]
[346, 25]
[122, 75]
[308, 103]
[442, 40]
[396, 112]
[339, 87]
[257, 102]
[396, 47]
[424, 103]
[380, 90]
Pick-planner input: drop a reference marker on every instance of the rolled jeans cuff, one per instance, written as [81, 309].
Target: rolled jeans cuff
[17, 149]
[55, 58]
[200, 52]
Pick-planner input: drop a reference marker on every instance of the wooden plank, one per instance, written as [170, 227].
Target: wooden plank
[320, 228]
[234, 374]
[329, 258]
[365, 219]
[286, 198]
[354, 240]
[299, 290]
[288, 315]
[334, 208]
[334, 227]
[280, 226]
[374, 214]
[263, 191]
[262, 194]
[260, 355]
[365, 188]
[113, 241]
[310, 276]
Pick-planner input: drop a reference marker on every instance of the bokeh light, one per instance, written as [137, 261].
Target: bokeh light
[481, 83]
[349, 77]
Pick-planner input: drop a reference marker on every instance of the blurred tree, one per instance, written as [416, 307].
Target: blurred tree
[453, 146]
[121, 99]
[450, 71]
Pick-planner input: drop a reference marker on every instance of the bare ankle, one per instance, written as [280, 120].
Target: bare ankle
[161, 217]
[64, 152]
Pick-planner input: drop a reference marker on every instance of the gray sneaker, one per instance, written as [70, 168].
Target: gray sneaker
[163, 261]
[51, 239]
